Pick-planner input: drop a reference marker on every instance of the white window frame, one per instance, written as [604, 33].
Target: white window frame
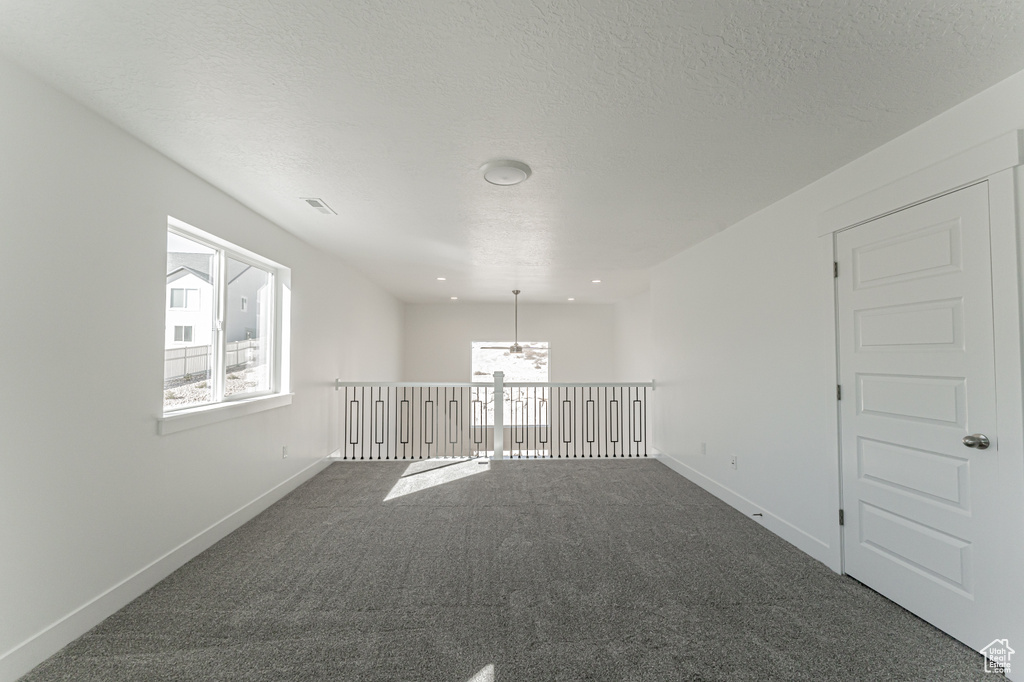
[508, 395]
[474, 378]
[224, 407]
[189, 299]
[183, 327]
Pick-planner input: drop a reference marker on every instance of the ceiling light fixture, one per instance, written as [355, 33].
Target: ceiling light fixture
[455, 298]
[595, 281]
[515, 348]
[505, 172]
[572, 299]
[441, 279]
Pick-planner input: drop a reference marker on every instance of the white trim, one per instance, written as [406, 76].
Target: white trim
[1006, 199]
[218, 412]
[183, 229]
[48, 641]
[965, 168]
[983, 163]
[801, 539]
[829, 397]
[487, 384]
[997, 164]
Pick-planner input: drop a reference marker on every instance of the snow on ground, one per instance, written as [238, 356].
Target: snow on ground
[530, 365]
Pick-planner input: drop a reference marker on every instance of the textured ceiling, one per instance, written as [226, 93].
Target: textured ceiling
[648, 125]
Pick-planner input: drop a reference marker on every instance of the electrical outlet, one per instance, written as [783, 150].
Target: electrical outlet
[733, 461]
[703, 448]
[284, 452]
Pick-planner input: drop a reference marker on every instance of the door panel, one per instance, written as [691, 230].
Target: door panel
[928, 252]
[921, 473]
[916, 361]
[917, 546]
[937, 325]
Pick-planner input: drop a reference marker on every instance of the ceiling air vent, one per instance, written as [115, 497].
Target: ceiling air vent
[319, 205]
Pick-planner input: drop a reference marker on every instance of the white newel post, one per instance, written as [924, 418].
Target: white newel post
[499, 415]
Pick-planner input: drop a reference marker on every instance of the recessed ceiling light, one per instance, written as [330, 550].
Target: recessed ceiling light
[505, 172]
[595, 281]
[441, 279]
[455, 298]
[572, 299]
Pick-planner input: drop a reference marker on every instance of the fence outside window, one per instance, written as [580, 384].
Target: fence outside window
[195, 360]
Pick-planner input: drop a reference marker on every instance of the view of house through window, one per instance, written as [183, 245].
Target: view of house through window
[527, 406]
[190, 322]
[246, 352]
[219, 315]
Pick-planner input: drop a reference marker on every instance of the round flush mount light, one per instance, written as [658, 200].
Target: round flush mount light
[595, 281]
[572, 299]
[441, 279]
[505, 173]
[455, 298]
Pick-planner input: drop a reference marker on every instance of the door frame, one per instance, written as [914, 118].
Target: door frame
[998, 164]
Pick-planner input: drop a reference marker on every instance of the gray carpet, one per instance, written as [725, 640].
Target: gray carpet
[524, 571]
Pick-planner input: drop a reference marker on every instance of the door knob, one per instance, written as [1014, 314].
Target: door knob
[977, 440]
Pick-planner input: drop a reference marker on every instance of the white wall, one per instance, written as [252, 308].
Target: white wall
[438, 338]
[742, 326]
[89, 494]
[634, 345]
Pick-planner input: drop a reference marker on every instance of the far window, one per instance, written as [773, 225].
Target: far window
[491, 356]
[184, 298]
[183, 334]
[245, 304]
[523, 405]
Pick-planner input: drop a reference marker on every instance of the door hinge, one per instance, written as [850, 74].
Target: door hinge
[839, 392]
[842, 518]
[835, 268]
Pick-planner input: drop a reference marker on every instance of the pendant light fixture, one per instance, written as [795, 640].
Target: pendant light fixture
[515, 348]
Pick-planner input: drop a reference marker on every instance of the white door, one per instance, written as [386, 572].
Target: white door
[916, 366]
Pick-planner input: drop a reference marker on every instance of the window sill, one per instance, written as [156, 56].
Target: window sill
[211, 414]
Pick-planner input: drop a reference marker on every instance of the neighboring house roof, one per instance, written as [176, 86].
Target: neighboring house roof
[197, 262]
[182, 271]
[199, 265]
[233, 276]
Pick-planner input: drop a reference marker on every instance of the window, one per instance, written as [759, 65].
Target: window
[491, 356]
[223, 321]
[527, 406]
[184, 298]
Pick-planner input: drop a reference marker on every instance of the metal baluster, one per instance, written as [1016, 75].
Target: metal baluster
[576, 392]
[629, 398]
[344, 417]
[538, 419]
[645, 421]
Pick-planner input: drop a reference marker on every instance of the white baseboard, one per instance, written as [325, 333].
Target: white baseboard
[36, 649]
[787, 531]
